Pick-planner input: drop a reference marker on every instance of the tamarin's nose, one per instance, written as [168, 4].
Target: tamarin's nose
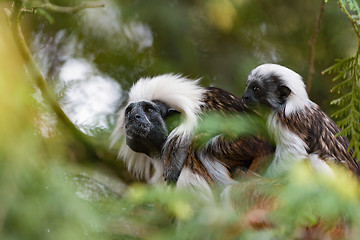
[246, 96]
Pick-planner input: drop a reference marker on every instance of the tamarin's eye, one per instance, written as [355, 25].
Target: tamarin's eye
[148, 110]
[128, 110]
[256, 89]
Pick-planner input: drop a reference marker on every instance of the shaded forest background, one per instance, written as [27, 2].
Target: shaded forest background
[60, 180]
[218, 41]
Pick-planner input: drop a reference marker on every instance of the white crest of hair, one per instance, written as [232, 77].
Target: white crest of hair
[290, 149]
[190, 181]
[298, 98]
[178, 92]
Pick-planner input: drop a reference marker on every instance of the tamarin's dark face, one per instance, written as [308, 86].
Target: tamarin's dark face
[145, 126]
[267, 90]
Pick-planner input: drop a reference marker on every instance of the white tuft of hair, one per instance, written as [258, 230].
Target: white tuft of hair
[217, 171]
[290, 148]
[298, 98]
[190, 181]
[182, 94]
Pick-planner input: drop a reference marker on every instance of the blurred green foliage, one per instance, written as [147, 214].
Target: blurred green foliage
[230, 126]
[46, 194]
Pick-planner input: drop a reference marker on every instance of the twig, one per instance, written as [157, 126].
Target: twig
[312, 43]
[353, 21]
[74, 9]
[354, 24]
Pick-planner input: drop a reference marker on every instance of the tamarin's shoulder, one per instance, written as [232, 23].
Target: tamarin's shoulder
[221, 100]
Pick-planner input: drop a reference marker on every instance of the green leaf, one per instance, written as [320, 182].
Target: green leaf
[348, 116]
[45, 14]
[229, 126]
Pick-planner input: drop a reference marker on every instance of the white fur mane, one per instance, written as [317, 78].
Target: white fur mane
[298, 98]
[177, 92]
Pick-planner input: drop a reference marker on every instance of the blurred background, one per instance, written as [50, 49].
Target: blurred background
[60, 183]
[93, 57]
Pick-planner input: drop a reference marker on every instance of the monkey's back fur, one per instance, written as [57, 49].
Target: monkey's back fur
[242, 151]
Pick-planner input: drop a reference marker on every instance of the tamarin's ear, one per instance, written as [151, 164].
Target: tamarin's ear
[171, 111]
[284, 91]
[172, 119]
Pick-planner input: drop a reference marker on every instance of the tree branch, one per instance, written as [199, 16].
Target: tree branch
[74, 9]
[312, 43]
[98, 153]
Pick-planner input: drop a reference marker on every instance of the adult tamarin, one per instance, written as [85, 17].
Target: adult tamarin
[299, 128]
[154, 150]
